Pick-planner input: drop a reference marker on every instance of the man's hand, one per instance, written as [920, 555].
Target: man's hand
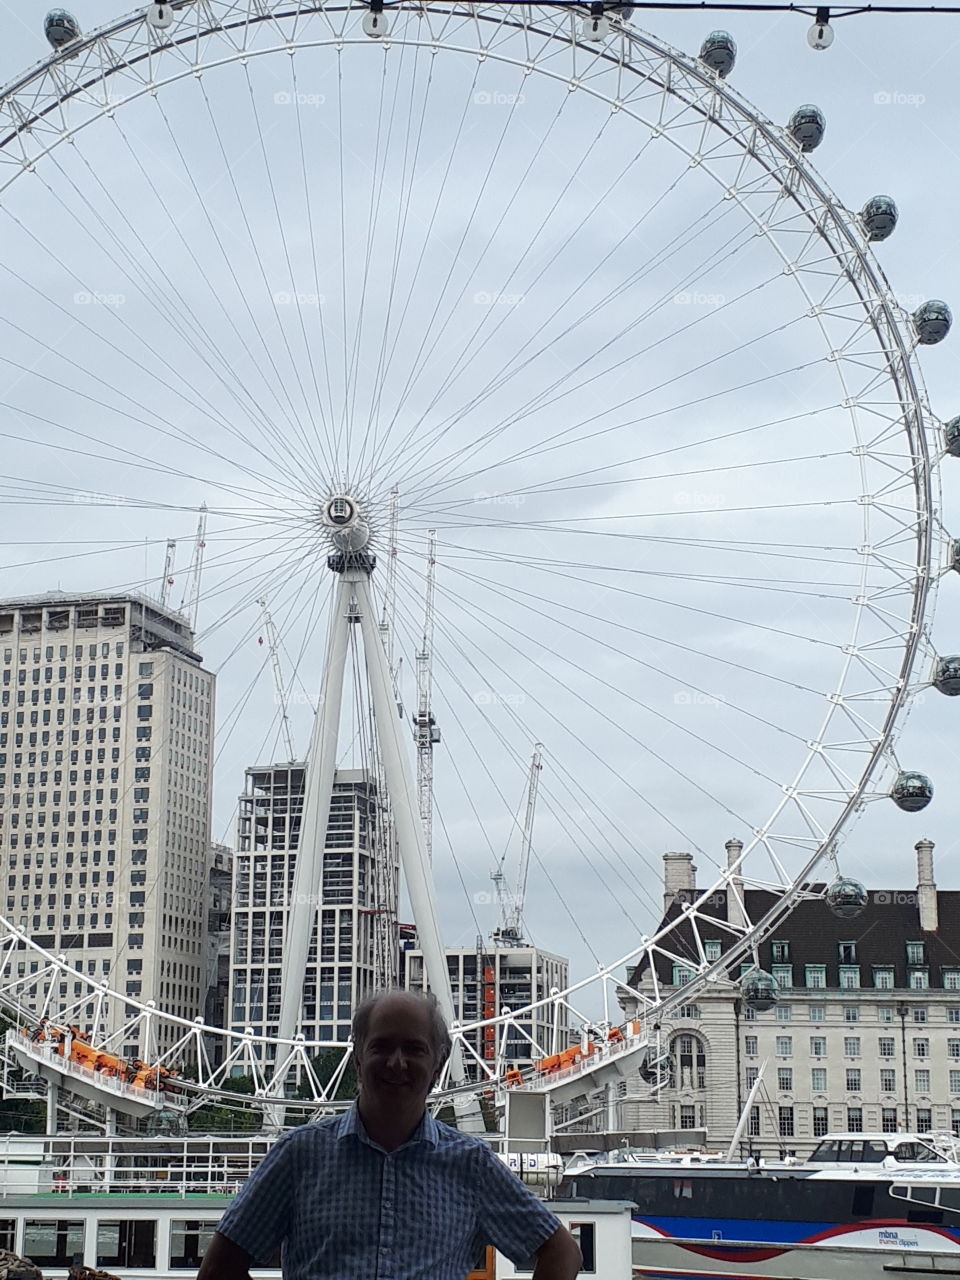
[558, 1258]
[224, 1260]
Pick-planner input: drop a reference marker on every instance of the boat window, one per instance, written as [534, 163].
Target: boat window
[950, 1198]
[53, 1242]
[926, 1155]
[924, 1195]
[127, 1244]
[906, 1151]
[189, 1239]
[874, 1152]
[585, 1235]
[850, 1151]
[826, 1152]
[8, 1229]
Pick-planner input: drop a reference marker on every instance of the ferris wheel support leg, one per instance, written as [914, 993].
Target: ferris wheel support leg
[405, 804]
[318, 790]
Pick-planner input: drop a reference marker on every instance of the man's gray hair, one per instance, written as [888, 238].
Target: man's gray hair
[439, 1034]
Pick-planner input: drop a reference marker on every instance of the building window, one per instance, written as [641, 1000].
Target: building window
[855, 1119]
[785, 1121]
[885, 1013]
[921, 1080]
[953, 1048]
[851, 1046]
[820, 1125]
[815, 976]
[712, 951]
[780, 951]
[924, 1119]
[853, 1079]
[847, 952]
[818, 1079]
[784, 1013]
[921, 1047]
[953, 1012]
[888, 1047]
[688, 1117]
[920, 1015]
[750, 1046]
[753, 1123]
[785, 1079]
[784, 1046]
[914, 953]
[888, 1080]
[888, 1120]
[818, 1013]
[683, 974]
[883, 978]
[918, 980]
[955, 1081]
[818, 1046]
[751, 1074]
[849, 977]
[955, 1121]
[851, 1013]
[688, 1011]
[783, 976]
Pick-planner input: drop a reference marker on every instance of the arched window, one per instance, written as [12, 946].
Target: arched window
[690, 1055]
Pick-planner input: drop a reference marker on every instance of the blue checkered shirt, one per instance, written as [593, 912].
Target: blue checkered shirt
[343, 1208]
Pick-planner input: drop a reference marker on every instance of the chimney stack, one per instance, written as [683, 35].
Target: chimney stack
[926, 887]
[679, 876]
[735, 913]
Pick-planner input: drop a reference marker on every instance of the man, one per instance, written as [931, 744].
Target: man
[385, 1192]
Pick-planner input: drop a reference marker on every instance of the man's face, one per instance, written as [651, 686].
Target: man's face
[396, 1064]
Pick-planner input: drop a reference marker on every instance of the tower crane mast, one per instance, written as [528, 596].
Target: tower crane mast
[511, 933]
[426, 732]
[273, 644]
[168, 562]
[191, 596]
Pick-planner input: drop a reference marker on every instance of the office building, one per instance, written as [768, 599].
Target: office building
[106, 729]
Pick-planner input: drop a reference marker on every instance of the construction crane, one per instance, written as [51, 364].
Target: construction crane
[191, 595]
[168, 561]
[389, 611]
[426, 732]
[273, 644]
[510, 931]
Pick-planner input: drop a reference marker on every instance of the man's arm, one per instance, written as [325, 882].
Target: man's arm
[225, 1260]
[558, 1258]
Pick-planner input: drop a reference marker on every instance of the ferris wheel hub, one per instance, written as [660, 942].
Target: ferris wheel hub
[342, 518]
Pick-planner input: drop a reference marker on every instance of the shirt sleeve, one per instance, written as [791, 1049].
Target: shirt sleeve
[511, 1218]
[258, 1219]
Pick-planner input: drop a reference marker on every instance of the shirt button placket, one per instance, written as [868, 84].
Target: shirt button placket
[388, 1220]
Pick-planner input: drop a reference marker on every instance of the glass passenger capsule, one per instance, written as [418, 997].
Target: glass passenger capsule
[657, 1068]
[951, 437]
[846, 898]
[932, 322]
[759, 990]
[807, 126]
[719, 52]
[947, 676]
[879, 217]
[912, 792]
[60, 27]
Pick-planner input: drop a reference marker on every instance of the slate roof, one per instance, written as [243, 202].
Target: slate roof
[890, 920]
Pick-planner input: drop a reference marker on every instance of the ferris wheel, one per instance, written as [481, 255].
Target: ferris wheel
[526, 285]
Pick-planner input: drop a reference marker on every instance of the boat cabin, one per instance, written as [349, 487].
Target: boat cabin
[841, 1150]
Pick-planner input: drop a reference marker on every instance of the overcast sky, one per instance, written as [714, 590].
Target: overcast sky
[573, 357]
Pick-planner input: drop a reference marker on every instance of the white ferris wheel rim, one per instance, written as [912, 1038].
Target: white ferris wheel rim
[214, 33]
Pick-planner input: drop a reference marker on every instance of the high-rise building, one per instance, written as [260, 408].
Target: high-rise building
[106, 726]
[486, 980]
[357, 911]
[219, 916]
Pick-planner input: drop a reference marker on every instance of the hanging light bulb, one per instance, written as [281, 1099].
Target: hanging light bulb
[820, 35]
[374, 23]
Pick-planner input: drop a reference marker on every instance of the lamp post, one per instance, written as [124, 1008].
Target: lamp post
[902, 1011]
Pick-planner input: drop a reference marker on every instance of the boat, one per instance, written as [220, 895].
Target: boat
[864, 1205]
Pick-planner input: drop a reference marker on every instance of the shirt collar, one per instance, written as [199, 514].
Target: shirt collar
[351, 1125]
